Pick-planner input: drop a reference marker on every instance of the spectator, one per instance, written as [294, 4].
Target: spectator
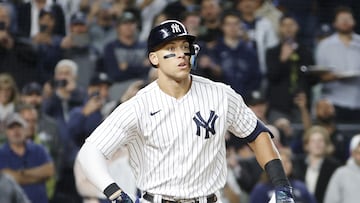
[339, 55]
[31, 95]
[259, 30]
[28, 21]
[325, 117]
[264, 189]
[47, 44]
[16, 55]
[101, 25]
[76, 46]
[285, 78]
[10, 191]
[210, 30]
[344, 182]
[176, 8]
[8, 100]
[125, 57]
[315, 167]
[28, 163]
[64, 93]
[238, 60]
[305, 13]
[51, 143]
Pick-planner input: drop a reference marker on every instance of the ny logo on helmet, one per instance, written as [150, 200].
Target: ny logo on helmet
[175, 28]
[207, 125]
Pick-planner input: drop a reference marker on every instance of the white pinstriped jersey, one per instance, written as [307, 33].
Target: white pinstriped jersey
[177, 146]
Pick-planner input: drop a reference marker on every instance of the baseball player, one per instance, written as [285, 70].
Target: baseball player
[174, 130]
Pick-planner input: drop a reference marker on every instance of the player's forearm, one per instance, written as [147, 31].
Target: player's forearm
[269, 159]
[264, 149]
[94, 164]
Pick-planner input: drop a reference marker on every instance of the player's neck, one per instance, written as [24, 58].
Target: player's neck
[174, 88]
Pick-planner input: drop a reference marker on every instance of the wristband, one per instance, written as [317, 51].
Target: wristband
[276, 173]
[112, 191]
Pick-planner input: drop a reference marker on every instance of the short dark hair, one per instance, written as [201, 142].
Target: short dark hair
[286, 16]
[231, 12]
[342, 9]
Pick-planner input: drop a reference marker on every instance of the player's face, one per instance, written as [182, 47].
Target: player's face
[172, 59]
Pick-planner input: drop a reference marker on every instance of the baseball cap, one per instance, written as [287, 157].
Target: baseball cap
[100, 78]
[355, 141]
[46, 11]
[78, 18]
[166, 32]
[126, 17]
[15, 118]
[255, 98]
[32, 88]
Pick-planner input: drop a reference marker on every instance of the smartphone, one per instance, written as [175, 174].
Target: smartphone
[95, 94]
[80, 40]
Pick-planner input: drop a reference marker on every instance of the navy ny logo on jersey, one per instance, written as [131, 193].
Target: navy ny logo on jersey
[207, 125]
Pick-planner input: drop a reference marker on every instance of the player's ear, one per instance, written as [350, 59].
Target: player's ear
[154, 60]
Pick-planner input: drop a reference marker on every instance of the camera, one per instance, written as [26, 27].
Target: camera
[43, 28]
[58, 83]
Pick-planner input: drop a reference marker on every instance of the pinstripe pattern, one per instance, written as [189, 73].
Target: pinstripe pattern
[167, 156]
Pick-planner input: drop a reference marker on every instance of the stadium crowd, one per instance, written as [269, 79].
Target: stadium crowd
[66, 64]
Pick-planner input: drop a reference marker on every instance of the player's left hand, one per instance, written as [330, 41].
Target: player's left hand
[282, 195]
[123, 198]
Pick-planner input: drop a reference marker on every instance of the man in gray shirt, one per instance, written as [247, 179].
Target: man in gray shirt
[339, 54]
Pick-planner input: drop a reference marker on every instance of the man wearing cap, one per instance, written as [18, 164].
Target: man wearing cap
[28, 163]
[344, 183]
[125, 57]
[77, 47]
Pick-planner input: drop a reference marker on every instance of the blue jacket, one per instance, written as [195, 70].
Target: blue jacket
[240, 66]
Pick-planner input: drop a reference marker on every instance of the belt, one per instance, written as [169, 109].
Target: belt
[209, 199]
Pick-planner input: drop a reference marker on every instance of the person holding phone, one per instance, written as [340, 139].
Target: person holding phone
[47, 44]
[76, 46]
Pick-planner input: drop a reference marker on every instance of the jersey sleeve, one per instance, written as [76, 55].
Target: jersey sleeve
[243, 122]
[116, 130]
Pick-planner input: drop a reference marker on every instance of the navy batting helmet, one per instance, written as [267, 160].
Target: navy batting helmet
[167, 31]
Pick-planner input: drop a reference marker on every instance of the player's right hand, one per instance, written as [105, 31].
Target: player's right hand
[282, 195]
